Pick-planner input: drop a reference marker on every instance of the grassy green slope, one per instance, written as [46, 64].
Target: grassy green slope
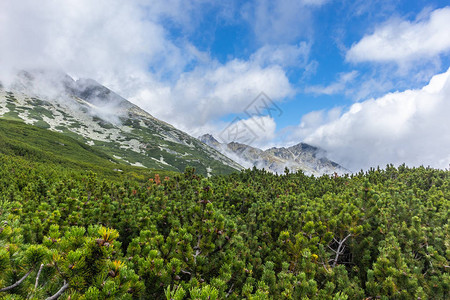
[39, 145]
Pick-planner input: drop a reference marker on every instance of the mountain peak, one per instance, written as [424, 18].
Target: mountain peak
[310, 159]
[304, 146]
[208, 138]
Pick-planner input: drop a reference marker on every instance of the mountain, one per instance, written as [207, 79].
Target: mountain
[93, 114]
[36, 146]
[311, 160]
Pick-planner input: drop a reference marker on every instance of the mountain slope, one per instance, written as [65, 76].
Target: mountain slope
[309, 159]
[95, 115]
[40, 146]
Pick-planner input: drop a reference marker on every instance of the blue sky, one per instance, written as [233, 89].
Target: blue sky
[331, 29]
[357, 78]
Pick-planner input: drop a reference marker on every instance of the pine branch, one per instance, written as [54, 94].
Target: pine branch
[17, 283]
[197, 248]
[230, 291]
[59, 293]
[37, 276]
[340, 251]
[325, 267]
[185, 272]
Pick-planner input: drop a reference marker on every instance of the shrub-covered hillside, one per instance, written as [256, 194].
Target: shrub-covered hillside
[250, 235]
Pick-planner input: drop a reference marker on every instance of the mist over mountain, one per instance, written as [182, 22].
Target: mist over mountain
[311, 160]
[97, 116]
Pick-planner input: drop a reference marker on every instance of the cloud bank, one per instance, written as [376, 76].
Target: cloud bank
[403, 127]
[127, 46]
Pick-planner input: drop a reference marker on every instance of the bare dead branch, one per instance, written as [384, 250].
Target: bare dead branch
[17, 283]
[59, 293]
[340, 249]
[230, 290]
[185, 272]
[197, 248]
[37, 276]
[331, 248]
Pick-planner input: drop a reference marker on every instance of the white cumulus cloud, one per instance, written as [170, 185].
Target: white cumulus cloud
[403, 41]
[207, 93]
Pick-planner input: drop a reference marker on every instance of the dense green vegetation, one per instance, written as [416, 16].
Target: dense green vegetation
[250, 235]
[71, 222]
